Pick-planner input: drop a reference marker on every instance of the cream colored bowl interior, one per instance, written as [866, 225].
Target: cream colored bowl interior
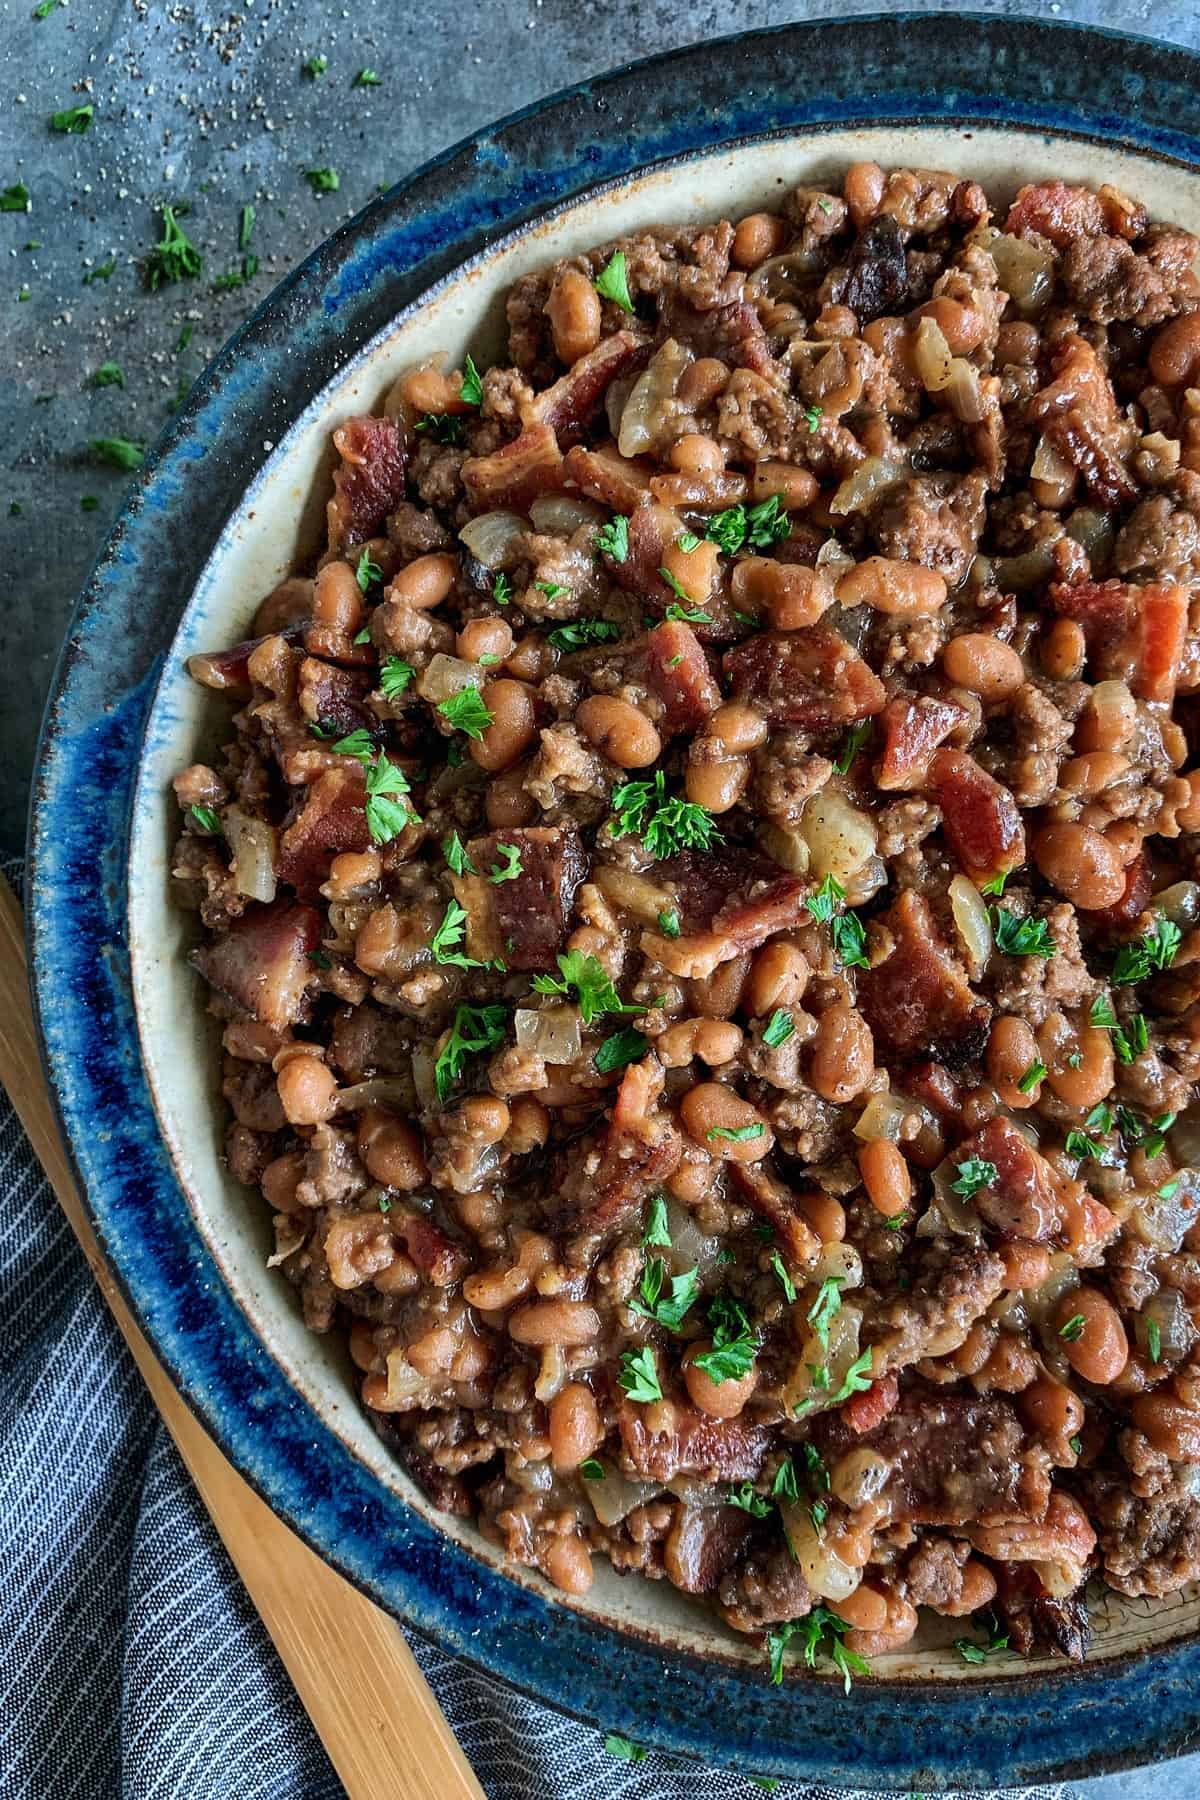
[280, 520]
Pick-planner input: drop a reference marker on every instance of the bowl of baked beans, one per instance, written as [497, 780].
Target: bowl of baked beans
[654, 1076]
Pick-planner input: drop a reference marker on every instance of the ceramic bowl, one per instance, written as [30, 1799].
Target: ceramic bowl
[232, 495]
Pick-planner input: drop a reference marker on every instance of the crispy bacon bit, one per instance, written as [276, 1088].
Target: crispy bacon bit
[603, 474]
[1037, 1620]
[777, 1205]
[334, 818]
[876, 277]
[979, 816]
[692, 1444]
[956, 1458]
[334, 697]
[703, 1542]
[228, 670]
[1134, 634]
[1056, 211]
[522, 921]
[812, 678]
[517, 473]
[673, 666]
[729, 903]
[918, 1001]
[1078, 414]
[913, 727]
[370, 481]
[436, 1255]
[261, 963]
[863, 1412]
[637, 1152]
[574, 399]
[1023, 1201]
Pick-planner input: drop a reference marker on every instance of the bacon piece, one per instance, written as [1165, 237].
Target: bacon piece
[333, 697]
[876, 276]
[637, 1152]
[702, 1544]
[1134, 634]
[333, 818]
[652, 531]
[729, 903]
[517, 473]
[957, 1459]
[773, 1201]
[694, 1444]
[1036, 1620]
[1085, 447]
[918, 1001]
[261, 963]
[1024, 1199]
[521, 921]
[448, 1493]
[437, 1256]
[863, 1412]
[913, 727]
[228, 670]
[369, 484]
[603, 474]
[1078, 413]
[672, 663]
[1057, 211]
[980, 818]
[575, 397]
[811, 678]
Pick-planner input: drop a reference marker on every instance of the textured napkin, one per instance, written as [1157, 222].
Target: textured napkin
[132, 1663]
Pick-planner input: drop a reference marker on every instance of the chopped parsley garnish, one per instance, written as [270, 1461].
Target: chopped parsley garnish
[589, 979]
[824, 903]
[748, 1501]
[508, 868]
[323, 181]
[657, 1232]
[236, 278]
[583, 632]
[685, 615]
[1020, 937]
[1076, 1444]
[475, 1028]
[846, 929]
[1154, 1340]
[386, 815]
[455, 853]
[1168, 1190]
[779, 1028]
[857, 1379]
[109, 374]
[1079, 1145]
[185, 335]
[501, 589]
[245, 227]
[367, 571]
[973, 1174]
[207, 820]
[120, 453]
[821, 1630]
[471, 389]
[1128, 1045]
[664, 826]
[1073, 1329]
[102, 271]
[733, 1342]
[825, 1308]
[174, 257]
[367, 78]
[316, 65]
[320, 960]
[1034, 1073]
[622, 1048]
[624, 1749]
[449, 935]
[76, 119]
[668, 1311]
[613, 539]
[551, 589]
[978, 1653]
[639, 1375]
[394, 676]
[856, 737]
[785, 1486]
[812, 417]
[668, 923]
[612, 283]
[592, 1469]
[45, 7]
[736, 1134]
[995, 887]
[754, 527]
[89, 503]
[1149, 1139]
[687, 542]
[784, 1279]
[466, 712]
[443, 428]
[357, 743]
[1155, 950]
[15, 198]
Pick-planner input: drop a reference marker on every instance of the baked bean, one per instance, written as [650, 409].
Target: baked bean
[555, 1322]
[484, 637]
[899, 589]
[512, 728]
[865, 1609]
[529, 1125]
[392, 1149]
[702, 381]
[714, 1041]
[1172, 1428]
[695, 454]
[1081, 864]
[737, 726]
[285, 605]
[1187, 816]
[898, 1630]
[427, 581]
[533, 657]
[978, 1590]
[796, 488]
[1064, 650]
[1175, 353]
[506, 802]
[1010, 1367]
[573, 309]
[885, 1177]
[307, 1090]
[337, 599]
[280, 1179]
[778, 977]
[710, 1111]
[843, 1058]
[574, 1426]
[1099, 1349]
[567, 1562]
[1083, 1085]
[619, 730]
[491, 1290]
[1025, 1265]
[716, 783]
[695, 570]
[1018, 342]
[862, 191]
[1109, 719]
[825, 1216]
[1089, 774]
[483, 1118]
[758, 236]
[691, 1180]
[963, 327]
[1012, 1050]
[984, 665]
[719, 1399]
[720, 994]
[791, 595]
[1053, 1410]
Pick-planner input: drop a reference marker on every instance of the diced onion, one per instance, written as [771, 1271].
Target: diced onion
[839, 1262]
[828, 1575]
[858, 1476]
[950, 1212]
[392, 1091]
[931, 354]
[788, 848]
[290, 1235]
[1017, 574]
[253, 844]
[868, 481]
[1185, 1137]
[787, 277]
[492, 536]
[552, 1375]
[972, 924]
[835, 557]
[561, 514]
[424, 1080]
[883, 1117]
[840, 836]
[631, 892]
[446, 675]
[645, 412]
[695, 1493]
[1050, 464]
[1176, 1332]
[551, 1032]
[1094, 530]
[964, 396]
[689, 1247]
[405, 1385]
[614, 1498]
[836, 1356]
[1026, 272]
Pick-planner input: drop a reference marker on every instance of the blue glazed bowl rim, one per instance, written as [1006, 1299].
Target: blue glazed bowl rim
[454, 208]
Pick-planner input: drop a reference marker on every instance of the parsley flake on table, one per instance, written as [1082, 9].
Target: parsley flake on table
[784, 1279]
[471, 389]
[245, 227]
[639, 1375]
[590, 982]
[89, 503]
[449, 935]
[973, 1175]
[1154, 951]
[670, 1310]
[748, 1501]
[15, 198]
[624, 1749]
[466, 712]
[207, 820]
[612, 283]
[475, 1028]
[657, 1232]
[455, 853]
[734, 1343]
[1020, 937]
[778, 1029]
[109, 374]
[394, 676]
[582, 632]
[118, 452]
[315, 66]
[45, 7]
[622, 1048]
[664, 826]
[323, 181]
[102, 271]
[508, 868]
[75, 120]
[367, 78]
[174, 257]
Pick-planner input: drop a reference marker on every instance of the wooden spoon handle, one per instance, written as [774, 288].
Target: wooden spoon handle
[355, 1674]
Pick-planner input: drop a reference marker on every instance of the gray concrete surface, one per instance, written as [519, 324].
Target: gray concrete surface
[211, 105]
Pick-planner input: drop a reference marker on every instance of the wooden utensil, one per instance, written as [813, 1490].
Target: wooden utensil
[355, 1674]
